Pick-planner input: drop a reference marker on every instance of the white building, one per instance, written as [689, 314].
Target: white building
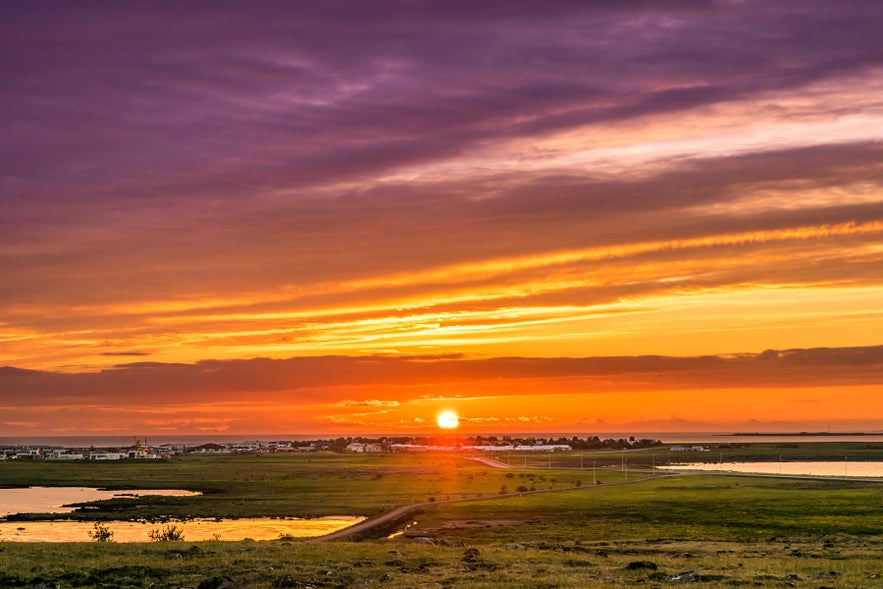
[357, 447]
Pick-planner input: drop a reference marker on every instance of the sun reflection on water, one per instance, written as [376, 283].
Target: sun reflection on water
[195, 530]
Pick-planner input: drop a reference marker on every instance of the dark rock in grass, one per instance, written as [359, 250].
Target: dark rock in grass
[394, 563]
[638, 565]
[452, 542]
[471, 555]
[288, 581]
[48, 585]
[472, 559]
[7, 580]
[826, 575]
[223, 582]
[685, 577]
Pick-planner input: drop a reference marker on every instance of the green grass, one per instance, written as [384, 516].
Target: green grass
[695, 507]
[837, 561]
[753, 452]
[286, 485]
[725, 531]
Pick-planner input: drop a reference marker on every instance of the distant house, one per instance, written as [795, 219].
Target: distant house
[107, 455]
[32, 454]
[544, 448]
[688, 449]
[141, 454]
[250, 446]
[64, 455]
[209, 449]
[358, 447]
[408, 448]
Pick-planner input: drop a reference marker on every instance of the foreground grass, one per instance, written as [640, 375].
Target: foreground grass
[704, 529]
[840, 561]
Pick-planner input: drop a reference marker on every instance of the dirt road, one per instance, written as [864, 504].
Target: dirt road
[385, 522]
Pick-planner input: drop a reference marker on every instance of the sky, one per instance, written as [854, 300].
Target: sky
[348, 216]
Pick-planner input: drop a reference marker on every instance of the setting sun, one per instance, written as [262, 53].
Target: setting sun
[448, 420]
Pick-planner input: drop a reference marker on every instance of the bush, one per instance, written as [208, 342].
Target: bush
[101, 533]
[168, 533]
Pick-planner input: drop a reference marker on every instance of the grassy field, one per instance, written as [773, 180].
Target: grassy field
[286, 485]
[784, 450]
[707, 530]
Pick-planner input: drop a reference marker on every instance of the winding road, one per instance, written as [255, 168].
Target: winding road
[370, 526]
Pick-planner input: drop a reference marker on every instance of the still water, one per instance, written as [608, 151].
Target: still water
[841, 468]
[194, 530]
[59, 499]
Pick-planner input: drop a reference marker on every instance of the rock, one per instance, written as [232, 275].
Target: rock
[423, 540]
[453, 542]
[686, 577]
[471, 555]
[515, 547]
[289, 581]
[223, 582]
[826, 575]
[638, 565]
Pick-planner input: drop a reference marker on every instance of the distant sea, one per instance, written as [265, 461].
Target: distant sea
[666, 437]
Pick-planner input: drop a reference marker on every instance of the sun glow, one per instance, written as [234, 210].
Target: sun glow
[448, 420]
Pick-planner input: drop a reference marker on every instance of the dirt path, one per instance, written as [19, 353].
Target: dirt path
[373, 527]
[376, 526]
[492, 462]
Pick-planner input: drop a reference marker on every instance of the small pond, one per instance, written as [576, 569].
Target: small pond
[194, 530]
[58, 500]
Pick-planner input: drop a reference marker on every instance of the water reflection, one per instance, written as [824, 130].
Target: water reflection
[841, 468]
[194, 530]
[59, 499]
